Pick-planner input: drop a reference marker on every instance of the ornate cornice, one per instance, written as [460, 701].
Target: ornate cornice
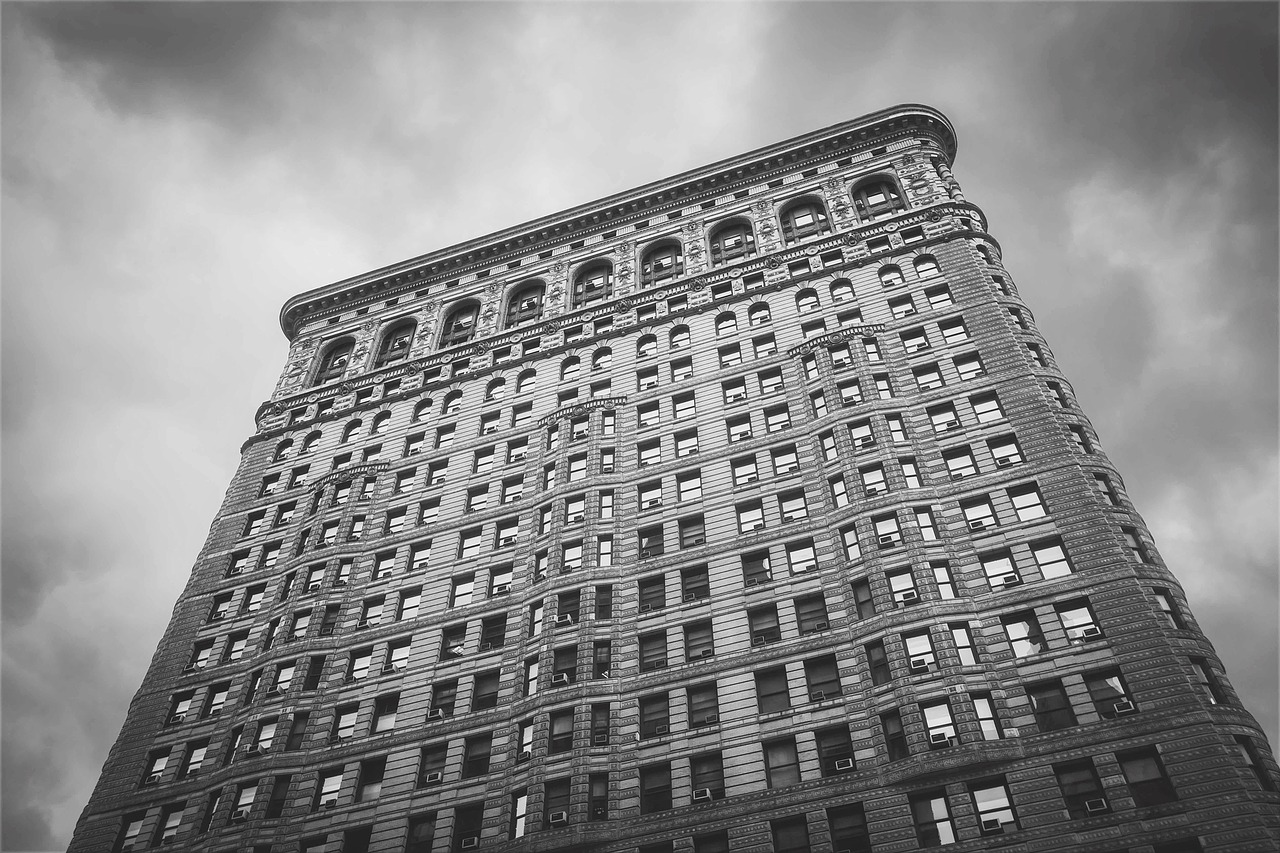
[660, 197]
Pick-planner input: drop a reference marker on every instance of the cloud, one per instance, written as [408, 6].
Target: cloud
[174, 172]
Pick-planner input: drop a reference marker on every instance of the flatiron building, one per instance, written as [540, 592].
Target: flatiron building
[747, 510]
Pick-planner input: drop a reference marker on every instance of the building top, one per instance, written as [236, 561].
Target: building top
[670, 195]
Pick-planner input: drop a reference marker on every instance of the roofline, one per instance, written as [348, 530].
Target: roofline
[614, 210]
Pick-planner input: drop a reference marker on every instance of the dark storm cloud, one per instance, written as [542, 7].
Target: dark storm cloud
[173, 172]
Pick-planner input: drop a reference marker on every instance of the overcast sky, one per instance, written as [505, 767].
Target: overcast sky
[172, 173]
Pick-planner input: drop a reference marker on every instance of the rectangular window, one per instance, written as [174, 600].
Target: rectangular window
[756, 568]
[1000, 570]
[772, 694]
[888, 533]
[655, 788]
[1051, 558]
[969, 366]
[1081, 788]
[1027, 502]
[1051, 706]
[822, 677]
[994, 806]
[782, 764]
[895, 736]
[653, 651]
[963, 639]
[1078, 620]
[1169, 607]
[960, 463]
[763, 622]
[932, 818]
[1149, 784]
[699, 641]
[1023, 631]
[1109, 694]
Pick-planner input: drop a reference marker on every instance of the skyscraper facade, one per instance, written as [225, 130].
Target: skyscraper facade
[745, 510]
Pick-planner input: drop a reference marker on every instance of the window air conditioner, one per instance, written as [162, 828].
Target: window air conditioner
[1004, 461]
[758, 640]
[991, 826]
[755, 525]
[1095, 806]
[653, 502]
[560, 678]
[1009, 580]
[501, 588]
[920, 664]
[950, 425]
[939, 739]
[506, 540]
[572, 519]
[432, 778]
[702, 795]
[711, 719]
[645, 608]
[865, 441]
[177, 718]
[152, 779]
[706, 653]
[697, 540]
[1090, 631]
[564, 619]
[1124, 706]
[820, 626]
[750, 478]
[239, 815]
[525, 755]
[887, 539]
[558, 817]
[977, 524]
[470, 843]
[646, 553]
[690, 596]
[435, 714]
[600, 740]
[909, 596]
[818, 695]
[661, 730]
[329, 804]
[753, 582]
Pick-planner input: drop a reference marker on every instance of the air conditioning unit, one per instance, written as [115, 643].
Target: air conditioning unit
[735, 397]
[690, 596]
[864, 441]
[435, 714]
[758, 640]
[788, 517]
[991, 826]
[645, 608]
[239, 815]
[939, 739]
[887, 539]
[177, 718]
[697, 540]
[652, 502]
[919, 664]
[600, 740]
[661, 730]
[1096, 806]
[951, 425]
[470, 843]
[820, 626]
[844, 764]
[787, 470]
[753, 582]
[560, 678]
[572, 519]
[501, 588]
[506, 540]
[564, 619]
[1090, 632]
[329, 804]
[525, 755]
[489, 428]
[579, 433]
[702, 795]
[558, 817]
[192, 667]
[909, 596]
[818, 695]
[1008, 580]
[977, 524]
[755, 525]
[646, 553]
[706, 653]
[433, 778]
[711, 719]
[750, 478]
[606, 674]
[152, 779]
[1124, 706]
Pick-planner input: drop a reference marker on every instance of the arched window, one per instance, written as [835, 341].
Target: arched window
[679, 338]
[593, 283]
[726, 323]
[379, 423]
[526, 381]
[452, 403]
[282, 450]
[732, 240]
[420, 411]
[660, 262]
[569, 368]
[891, 275]
[646, 346]
[349, 431]
[496, 391]
[926, 266]
[334, 362]
[309, 443]
[525, 305]
[459, 324]
[876, 198]
[602, 359]
[807, 300]
[803, 218]
[395, 343]
[841, 290]
[758, 314]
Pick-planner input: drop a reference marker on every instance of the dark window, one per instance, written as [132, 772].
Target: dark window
[782, 764]
[732, 240]
[1051, 707]
[848, 824]
[878, 660]
[1081, 788]
[525, 305]
[877, 198]
[334, 363]
[835, 750]
[803, 219]
[932, 818]
[655, 788]
[459, 325]
[1148, 782]
[822, 677]
[395, 343]
[655, 715]
[790, 835]
[894, 735]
